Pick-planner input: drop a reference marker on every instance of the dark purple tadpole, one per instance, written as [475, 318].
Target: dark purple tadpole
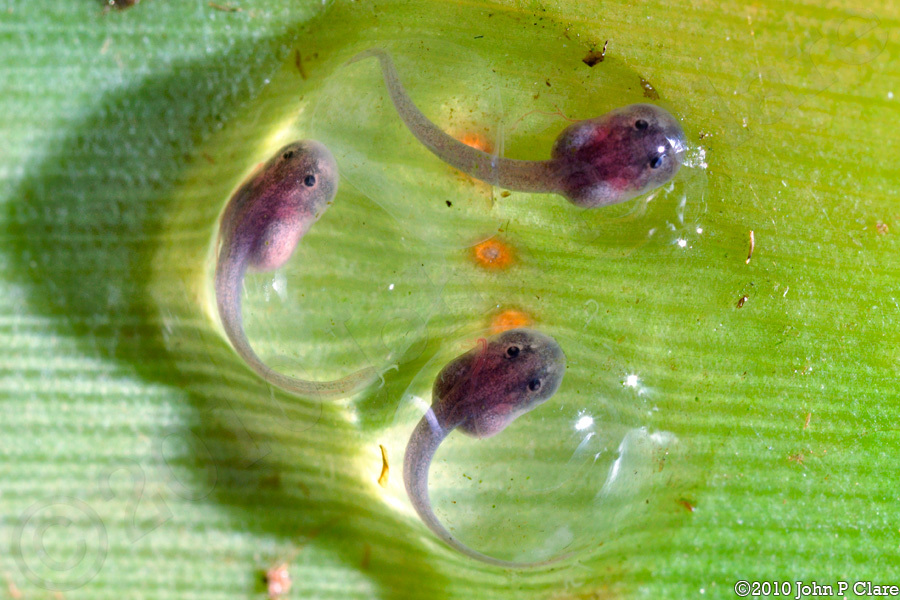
[618, 156]
[261, 226]
[480, 393]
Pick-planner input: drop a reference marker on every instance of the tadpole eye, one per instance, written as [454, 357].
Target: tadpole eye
[288, 155]
[641, 124]
[309, 181]
[512, 351]
[534, 385]
[656, 162]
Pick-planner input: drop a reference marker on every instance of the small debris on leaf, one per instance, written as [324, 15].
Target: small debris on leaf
[797, 458]
[298, 62]
[649, 90]
[593, 56]
[225, 7]
[120, 4]
[278, 581]
[11, 588]
[752, 246]
[385, 470]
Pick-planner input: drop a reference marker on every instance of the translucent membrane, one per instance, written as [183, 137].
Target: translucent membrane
[572, 473]
[354, 116]
[672, 214]
[316, 318]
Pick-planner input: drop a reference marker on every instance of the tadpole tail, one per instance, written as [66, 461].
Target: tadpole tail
[230, 270]
[507, 173]
[423, 443]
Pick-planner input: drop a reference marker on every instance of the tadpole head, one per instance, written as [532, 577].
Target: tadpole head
[515, 372]
[619, 156]
[307, 172]
[282, 201]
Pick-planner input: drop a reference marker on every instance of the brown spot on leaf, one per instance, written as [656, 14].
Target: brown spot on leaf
[595, 56]
[225, 7]
[298, 62]
[120, 4]
[649, 90]
[798, 457]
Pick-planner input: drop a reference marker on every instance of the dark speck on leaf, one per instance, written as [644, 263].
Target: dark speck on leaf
[449, 203]
[120, 4]
[225, 7]
[595, 56]
[298, 62]
[649, 91]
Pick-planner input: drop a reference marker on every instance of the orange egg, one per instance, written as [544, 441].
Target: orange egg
[493, 254]
[509, 319]
[477, 141]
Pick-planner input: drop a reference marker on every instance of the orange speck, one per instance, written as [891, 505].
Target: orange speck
[493, 254]
[687, 504]
[509, 319]
[476, 141]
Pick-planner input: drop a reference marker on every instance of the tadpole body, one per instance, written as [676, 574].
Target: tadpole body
[612, 158]
[261, 226]
[480, 393]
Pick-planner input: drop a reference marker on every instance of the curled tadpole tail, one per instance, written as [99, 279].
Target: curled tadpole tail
[230, 270]
[480, 393]
[423, 444]
[262, 224]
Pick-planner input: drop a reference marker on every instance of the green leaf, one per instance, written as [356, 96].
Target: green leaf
[722, 418]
